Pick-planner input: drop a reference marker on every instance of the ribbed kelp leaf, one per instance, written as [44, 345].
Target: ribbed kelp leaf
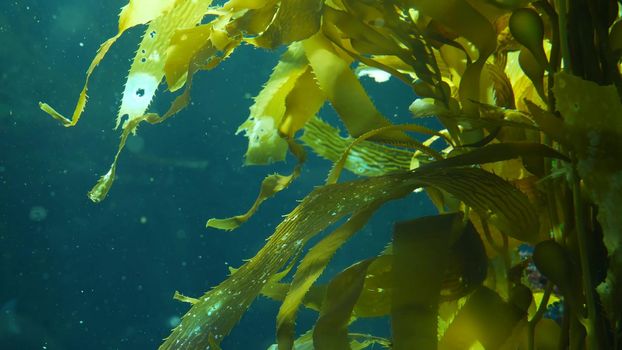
[357, 341]
[420, 252]
[335, 172]
[486, 318]
[134, 13]
[270, 185]
[365, 158]
[507, 207]
[331, 329]
[265, 145]
[147, 69]
[342, 88]
[220, 309]
[295, 20]
[311, 267]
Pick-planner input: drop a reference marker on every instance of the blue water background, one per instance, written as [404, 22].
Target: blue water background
[102, 276]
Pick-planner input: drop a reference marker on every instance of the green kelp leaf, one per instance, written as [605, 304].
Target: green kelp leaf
[365, 158]
[311, 267]
[265, 145]
[357, 342]
[497, 152]
[134, 13]
[527, 28]
[507, 207]
[592, 116]
[485, 318]
[555, 263]
[331, 329]
[218, 310]
[548, 123]
[270, 186]
[295, 20]
[420, 251]
[343, 90]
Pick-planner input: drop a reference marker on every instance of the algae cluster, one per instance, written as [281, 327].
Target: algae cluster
[528, 93]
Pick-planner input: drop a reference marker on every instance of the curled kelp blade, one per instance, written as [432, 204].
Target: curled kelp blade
[323, 207]
[270, 186]
[134, 13]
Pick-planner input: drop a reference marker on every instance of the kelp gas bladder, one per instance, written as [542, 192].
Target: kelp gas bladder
[528, 93]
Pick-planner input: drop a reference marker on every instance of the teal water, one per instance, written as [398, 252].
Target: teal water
[78, 275]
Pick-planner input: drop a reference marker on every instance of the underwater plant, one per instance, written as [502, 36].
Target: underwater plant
[526, 172]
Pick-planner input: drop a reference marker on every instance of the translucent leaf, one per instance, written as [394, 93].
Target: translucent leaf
[331, 329]
[342, 88]
[311, 266]
[134, 13]
[295, 20]
[365, 158]
[265, 145]
[420, 251]
[320, 209]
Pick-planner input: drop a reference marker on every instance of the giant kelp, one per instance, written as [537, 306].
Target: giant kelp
[528, 93]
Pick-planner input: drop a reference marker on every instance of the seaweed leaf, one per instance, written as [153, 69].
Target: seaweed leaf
[323, 207]
[134, 13]
[270, 186]
[331, 329]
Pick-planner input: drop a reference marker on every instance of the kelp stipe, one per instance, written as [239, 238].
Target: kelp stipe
[528, 93]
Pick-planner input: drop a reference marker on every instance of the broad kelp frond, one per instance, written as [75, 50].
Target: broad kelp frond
[528, 94]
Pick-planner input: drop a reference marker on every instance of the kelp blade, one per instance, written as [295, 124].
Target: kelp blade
[219, 309]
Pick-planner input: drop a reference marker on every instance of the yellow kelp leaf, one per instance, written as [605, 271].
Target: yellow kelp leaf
[134, 13]
[343, 89]
[420, 250]
[103, 185]
[184, 45]
[147, 69]
[462, 18]
[271, 185]
[486, 318]
[218, 310]
[302, 103]
[265, 145]
[311, 267]
[331, 329]
[295, 20]
[365, 158]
